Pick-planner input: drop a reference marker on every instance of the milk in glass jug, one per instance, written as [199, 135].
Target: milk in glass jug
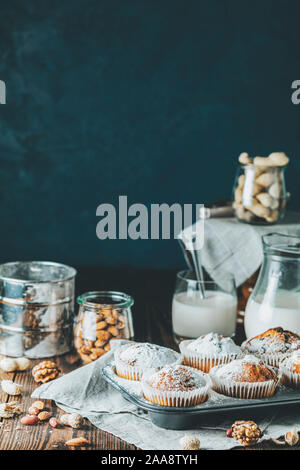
[275, 300]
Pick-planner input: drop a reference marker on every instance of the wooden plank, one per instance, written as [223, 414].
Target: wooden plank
[14, 435]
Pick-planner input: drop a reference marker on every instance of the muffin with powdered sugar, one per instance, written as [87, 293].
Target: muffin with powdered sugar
[273, 346]
[247, 377]
[290, 370]
[132, 360]
[208, 351]
[175, 386]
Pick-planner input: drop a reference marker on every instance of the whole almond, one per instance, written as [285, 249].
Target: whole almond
[29, 420]
[39, 405]
[77, 442]
[229, 432]
[101, 325]
[113, 330]
[33, 410]
[44, 415]
[53, 422]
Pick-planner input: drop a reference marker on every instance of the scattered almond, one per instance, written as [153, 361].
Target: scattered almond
[53, 423]
[77, 442]
[29, 420]
[39, 405]
[44, 415]
[33, 410]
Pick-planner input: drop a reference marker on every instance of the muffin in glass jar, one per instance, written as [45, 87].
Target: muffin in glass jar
[103, 316]
[259, 193]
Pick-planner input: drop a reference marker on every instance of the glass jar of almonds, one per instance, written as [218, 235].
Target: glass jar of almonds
[259, 193]
[103, 316]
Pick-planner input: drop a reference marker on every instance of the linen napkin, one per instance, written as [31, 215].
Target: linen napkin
[235, 247]
[84, 391]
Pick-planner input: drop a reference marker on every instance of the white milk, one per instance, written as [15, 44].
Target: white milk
[193, 316]
[284, 312]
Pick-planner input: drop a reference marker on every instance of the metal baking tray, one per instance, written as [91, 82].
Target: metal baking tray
[194, 416]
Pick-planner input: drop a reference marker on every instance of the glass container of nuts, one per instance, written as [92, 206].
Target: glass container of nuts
[102, 317]
[259, 193]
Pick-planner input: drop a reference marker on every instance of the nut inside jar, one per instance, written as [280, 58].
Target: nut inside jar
[259, 193]
[103, 316]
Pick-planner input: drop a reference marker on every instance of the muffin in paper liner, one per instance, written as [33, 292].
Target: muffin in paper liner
[290, 377]
[272, 360]
[246, 390]
[273, 346]
[154, 356]
[176, 398]
[204, 362]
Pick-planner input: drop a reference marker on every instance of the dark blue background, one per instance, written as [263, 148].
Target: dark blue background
[151, 99]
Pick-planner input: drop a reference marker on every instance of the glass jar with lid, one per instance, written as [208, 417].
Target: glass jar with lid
[103, 316]
[275, 300]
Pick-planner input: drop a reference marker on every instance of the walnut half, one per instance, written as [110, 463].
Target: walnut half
[45, 371]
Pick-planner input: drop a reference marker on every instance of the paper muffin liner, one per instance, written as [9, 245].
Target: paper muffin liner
[246, 390]
[289, 378]
[204, 362]
[174, 398]
[272, 359]
[133, 372]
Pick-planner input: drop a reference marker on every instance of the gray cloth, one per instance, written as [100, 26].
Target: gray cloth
[84, 391]
[234, 247]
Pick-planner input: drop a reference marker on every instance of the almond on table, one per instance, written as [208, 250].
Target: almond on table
[77, 442]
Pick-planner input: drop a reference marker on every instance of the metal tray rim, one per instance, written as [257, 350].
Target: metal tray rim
[262, 403]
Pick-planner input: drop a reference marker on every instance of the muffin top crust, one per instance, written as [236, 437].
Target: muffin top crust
[292, 362]
[248, 369]
[214, 344]
[146, 355]
[176, 378]
[273, 341]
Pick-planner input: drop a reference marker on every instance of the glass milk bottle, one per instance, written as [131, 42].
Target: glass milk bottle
[194, 315]
[275, 300]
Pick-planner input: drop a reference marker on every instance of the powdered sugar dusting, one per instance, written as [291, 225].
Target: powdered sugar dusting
[235, 368]
[147, 355]
[272, 344]
[292, 361]
[213, 343]
[177, 378]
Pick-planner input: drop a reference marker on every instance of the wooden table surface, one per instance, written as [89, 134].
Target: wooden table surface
[152, 291]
